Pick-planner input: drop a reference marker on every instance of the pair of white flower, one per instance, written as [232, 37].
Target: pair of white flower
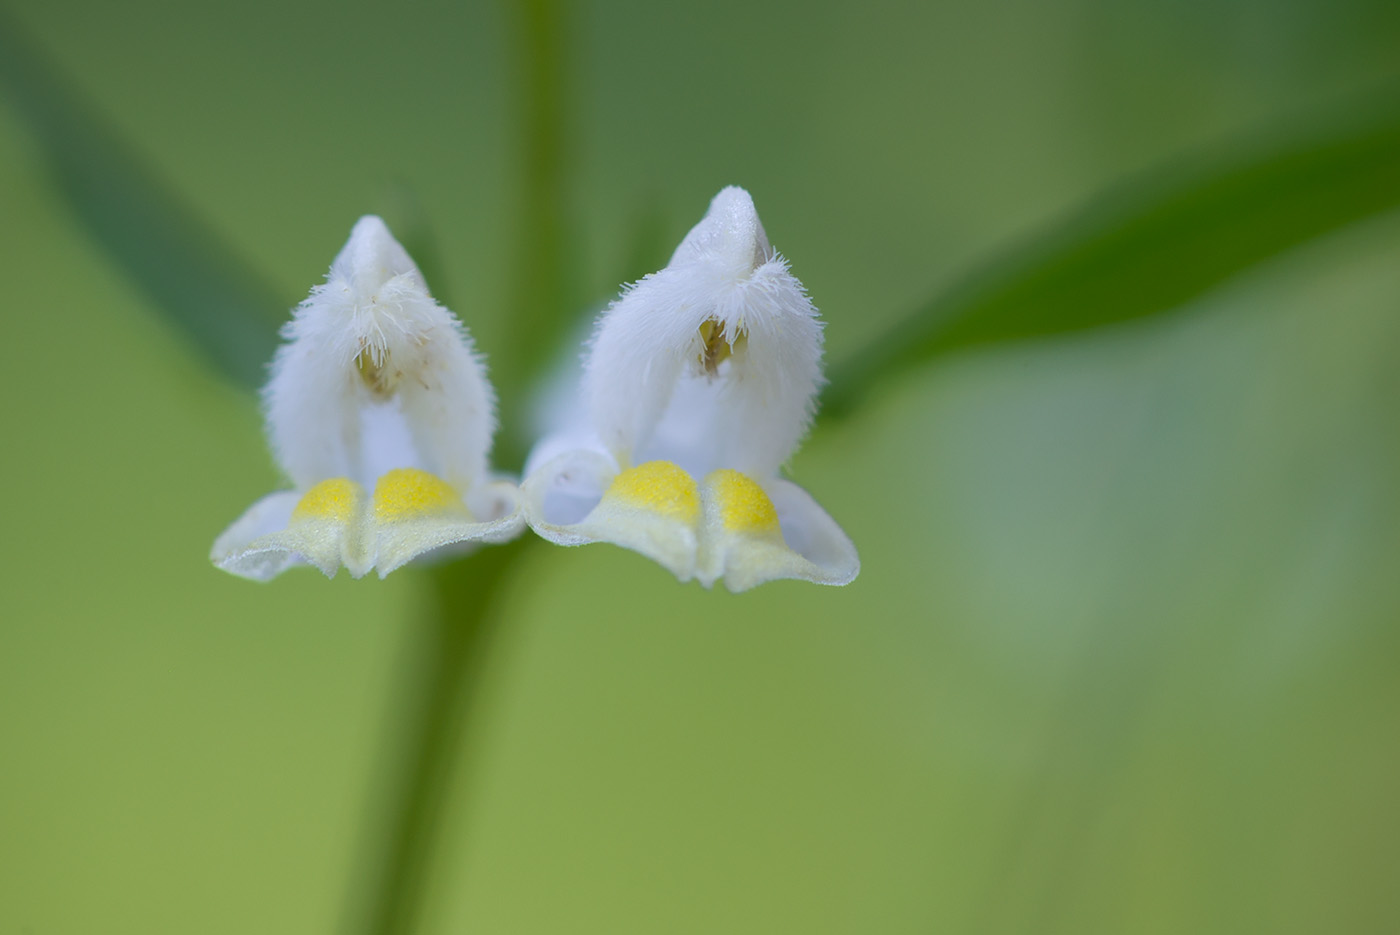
[698, 384]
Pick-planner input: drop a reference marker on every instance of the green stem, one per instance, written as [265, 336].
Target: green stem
[541, 291]
[444, 682]
[446, 677]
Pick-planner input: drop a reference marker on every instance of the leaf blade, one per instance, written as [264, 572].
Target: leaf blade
[222, 308]
[1150, 246]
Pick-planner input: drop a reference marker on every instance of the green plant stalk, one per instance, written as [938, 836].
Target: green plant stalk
[467, 593]
[540, 299]
[440, 691]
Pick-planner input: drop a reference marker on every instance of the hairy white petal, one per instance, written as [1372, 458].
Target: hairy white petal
[451, 410]
[372, 340]
[654, 383]
[377, 388]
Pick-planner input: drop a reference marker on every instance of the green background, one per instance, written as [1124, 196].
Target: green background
[1121, 656]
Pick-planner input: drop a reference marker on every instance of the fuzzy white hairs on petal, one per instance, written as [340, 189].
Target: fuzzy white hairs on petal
[374, 365]
[698, 384]
[379, 410]
[718, 354]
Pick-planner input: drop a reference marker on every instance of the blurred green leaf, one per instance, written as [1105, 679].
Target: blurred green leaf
[222, 307]
[1153, 244]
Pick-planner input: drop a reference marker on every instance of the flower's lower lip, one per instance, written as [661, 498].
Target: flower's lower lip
[726, 526]
[337, 523]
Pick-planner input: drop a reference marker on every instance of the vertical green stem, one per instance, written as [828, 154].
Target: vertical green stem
[540, 279]
[444, 683]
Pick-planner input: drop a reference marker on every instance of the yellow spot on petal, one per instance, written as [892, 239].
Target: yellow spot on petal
[743, 506]
[660, 487]
[335, 500]
[408, 493]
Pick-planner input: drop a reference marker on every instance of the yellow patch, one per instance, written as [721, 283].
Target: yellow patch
[660, 487]
[408, 493]
[335, 500]
[743, 506]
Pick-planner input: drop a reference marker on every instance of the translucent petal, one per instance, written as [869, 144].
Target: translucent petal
[582, 497]
[320, 528]
[811, 532]
[411, 513]
[414, 513]
[752, 534]
[231, 550]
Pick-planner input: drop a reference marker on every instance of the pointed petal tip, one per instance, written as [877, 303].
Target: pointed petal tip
[733, 199]
[370, 225]
[369, 237]
[734, 208]
[730, 231]
[372, 255]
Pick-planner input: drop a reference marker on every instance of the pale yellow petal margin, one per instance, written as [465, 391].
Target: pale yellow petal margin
[648, 509]
[333, 524]
[415, 512]
[752, 534]
[232, 550]
[727, 528]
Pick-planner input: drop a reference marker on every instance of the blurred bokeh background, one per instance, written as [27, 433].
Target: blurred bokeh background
[1122, 655]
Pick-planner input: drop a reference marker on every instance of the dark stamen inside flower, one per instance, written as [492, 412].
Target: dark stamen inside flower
[373, 365]
[714, 349]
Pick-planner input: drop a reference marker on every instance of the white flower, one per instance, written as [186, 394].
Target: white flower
[380, 413]
[699, 383]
